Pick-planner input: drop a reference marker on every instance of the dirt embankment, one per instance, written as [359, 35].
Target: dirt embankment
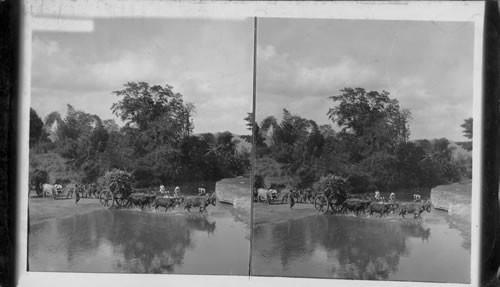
[456, 199]
[236, 192]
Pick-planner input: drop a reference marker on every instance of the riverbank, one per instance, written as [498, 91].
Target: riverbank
[455, 198]
[42, 209]
[236, 192]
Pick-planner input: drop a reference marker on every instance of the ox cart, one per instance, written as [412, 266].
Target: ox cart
[333, 201]
[108, 197]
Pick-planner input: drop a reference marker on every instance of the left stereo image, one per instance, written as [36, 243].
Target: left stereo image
[140, 147]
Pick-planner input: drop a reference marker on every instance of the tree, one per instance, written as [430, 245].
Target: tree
[157, 121]
[256, 131]
[37, 132]
[111, 126]
[467, 126]
[376, 120]
[142, 104]
[52, 122]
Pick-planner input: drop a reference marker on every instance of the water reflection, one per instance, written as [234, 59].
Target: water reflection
[356, 248]
[127, 241]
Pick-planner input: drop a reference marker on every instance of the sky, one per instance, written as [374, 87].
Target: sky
[208, 61]
[426, 66]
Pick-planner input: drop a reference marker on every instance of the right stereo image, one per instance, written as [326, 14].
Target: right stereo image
[363, 149]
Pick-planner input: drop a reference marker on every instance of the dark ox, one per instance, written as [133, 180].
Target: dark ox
[414, 207]
[355, 205]
[381, 208]
[140, 199]
[93, 190]
[199, 201]
[167, 202]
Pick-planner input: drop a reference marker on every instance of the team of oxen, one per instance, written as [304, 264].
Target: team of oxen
[354, 203]
[284, 195]
[382, 208]
[156, 199]
[70, 190]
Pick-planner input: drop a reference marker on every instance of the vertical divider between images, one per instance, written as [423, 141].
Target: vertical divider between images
[254, 150]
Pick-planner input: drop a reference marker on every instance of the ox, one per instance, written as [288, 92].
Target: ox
[51, 190]
[265, 194]
[139, 199]
[285, 195]
[199, 201]
[166, 202]
[414, 207]
[355, 205]
[381, 208]
[93, 190]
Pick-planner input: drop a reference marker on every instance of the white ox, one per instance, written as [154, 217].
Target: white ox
[50, 189]
[263, 193]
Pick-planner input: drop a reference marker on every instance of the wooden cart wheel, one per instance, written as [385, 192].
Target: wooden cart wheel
[321, 203]
[121, 200]
[106, 198]
[336, 207]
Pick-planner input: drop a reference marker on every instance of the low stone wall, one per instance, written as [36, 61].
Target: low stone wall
[454, 198]
[235, 191]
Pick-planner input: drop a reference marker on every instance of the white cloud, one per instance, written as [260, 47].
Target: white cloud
[217, 80]
[304, 87]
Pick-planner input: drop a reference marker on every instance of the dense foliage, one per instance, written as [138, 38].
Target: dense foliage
[371, 150]
[156, 145]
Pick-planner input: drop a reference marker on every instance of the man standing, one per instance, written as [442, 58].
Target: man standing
[77, 194]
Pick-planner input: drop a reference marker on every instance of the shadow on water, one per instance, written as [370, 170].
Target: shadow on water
[127, 241]
[353, 248]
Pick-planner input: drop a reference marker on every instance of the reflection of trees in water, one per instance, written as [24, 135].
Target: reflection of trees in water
[145, 243]
[356, 248]
[463, 226]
